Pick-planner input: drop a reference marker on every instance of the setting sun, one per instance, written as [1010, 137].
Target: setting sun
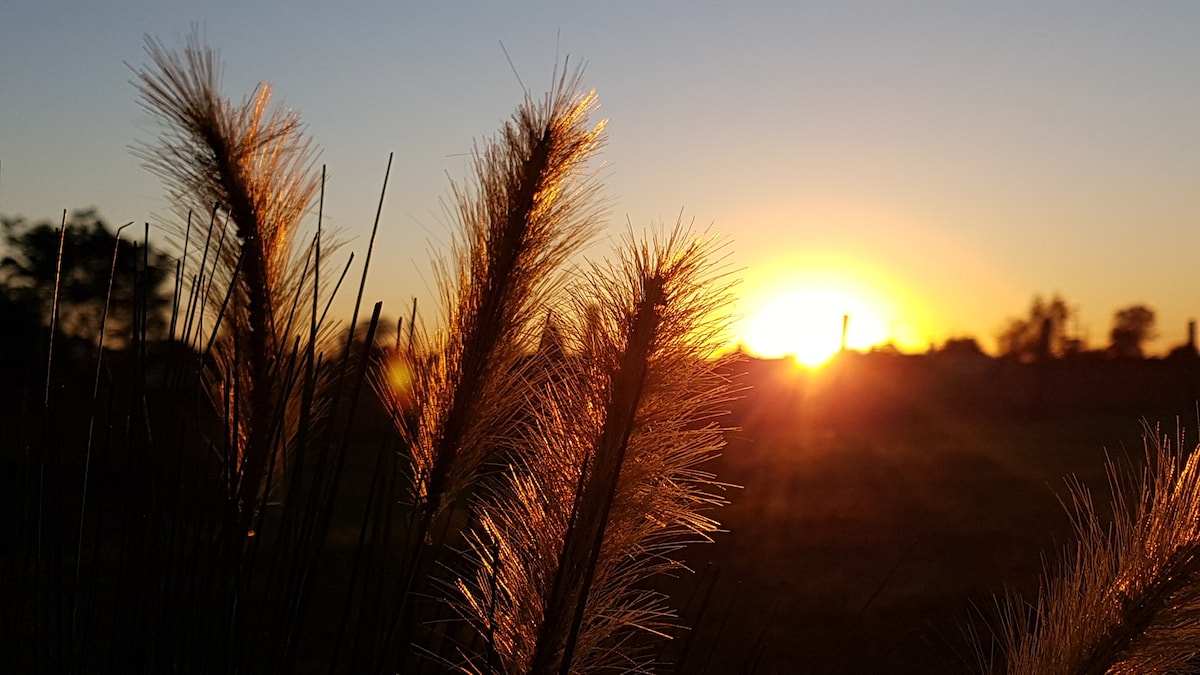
[807, 325]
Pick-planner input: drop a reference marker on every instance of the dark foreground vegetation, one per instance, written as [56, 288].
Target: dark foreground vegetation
[885, 503]
[204, 475]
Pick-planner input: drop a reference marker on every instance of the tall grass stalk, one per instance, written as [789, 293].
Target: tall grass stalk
[87, 462]
[1127, 598]
[62, 238]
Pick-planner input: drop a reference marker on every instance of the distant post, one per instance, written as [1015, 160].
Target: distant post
[845, 327]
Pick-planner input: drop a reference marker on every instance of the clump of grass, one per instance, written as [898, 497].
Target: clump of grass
[255, 164]
[1127, 598]
[530, 205]
[568, 472]
[606, 482]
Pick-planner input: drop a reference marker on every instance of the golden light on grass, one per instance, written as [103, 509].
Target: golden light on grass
[1125, 597]
[806, 323]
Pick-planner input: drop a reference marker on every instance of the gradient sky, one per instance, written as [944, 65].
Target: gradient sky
[947, 159]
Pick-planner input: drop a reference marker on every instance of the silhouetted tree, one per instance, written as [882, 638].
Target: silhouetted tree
[1044, 334]
[1133, 326]
[31, 263]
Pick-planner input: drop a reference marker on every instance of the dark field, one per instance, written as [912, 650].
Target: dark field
[884, 504]
[887, 502]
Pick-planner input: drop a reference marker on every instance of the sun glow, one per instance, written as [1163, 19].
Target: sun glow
[807, 324]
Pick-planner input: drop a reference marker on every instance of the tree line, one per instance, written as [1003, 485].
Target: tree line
[93, 254]
[1050, 331]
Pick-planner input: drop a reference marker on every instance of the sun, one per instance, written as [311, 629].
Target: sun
[807, 324]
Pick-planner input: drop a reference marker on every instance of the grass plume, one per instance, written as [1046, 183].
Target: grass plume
[607, 481]
[530, 206]
[1127, 599]
[255, 163]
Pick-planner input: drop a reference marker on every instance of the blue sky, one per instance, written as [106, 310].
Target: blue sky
[948, 159]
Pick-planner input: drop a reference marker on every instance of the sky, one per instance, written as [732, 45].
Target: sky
[938, 163]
